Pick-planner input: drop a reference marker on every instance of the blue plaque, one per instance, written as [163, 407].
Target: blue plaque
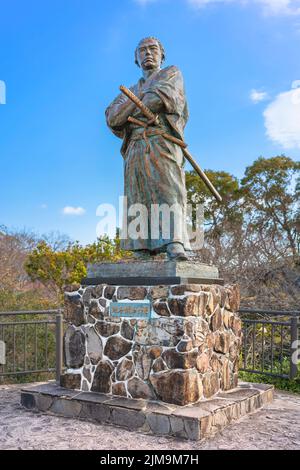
[140, 310]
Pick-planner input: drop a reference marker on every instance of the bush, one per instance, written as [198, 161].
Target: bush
[281, 384]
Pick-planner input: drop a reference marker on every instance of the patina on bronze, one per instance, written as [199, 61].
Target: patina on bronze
[153, 165]
[154, 120]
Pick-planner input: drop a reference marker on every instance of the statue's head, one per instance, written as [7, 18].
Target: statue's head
[149, 54]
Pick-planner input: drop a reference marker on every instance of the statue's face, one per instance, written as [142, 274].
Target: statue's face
[149, 55]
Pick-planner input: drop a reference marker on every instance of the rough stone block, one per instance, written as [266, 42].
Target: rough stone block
[222, 342]
[130, 419]
[216, 320]
[96, 310]
[183, 289]
[132, 293]
[125, 370]
[160, 332]
[95, 412]
[94, 345]
[211, 384]
[192, 429]
[184, 307]
[177, 427]
[107, 329]
[142, 361]
[177, 360]
[74, 348]
[206, 426]
[102, 377]
[237, 326]
[109, 292]
[28, 400]
[119, 389]
[74, 309]
[159, 424]
[71, 381]
[64, 407]
[127, 331]
[140, 389]
[234, 299]
[178, 387]
[159, 365]
[185, 345]
[159, 292]
[161, 308]
[202, 363]
[117, 347]
[43, 402]
[226, 375]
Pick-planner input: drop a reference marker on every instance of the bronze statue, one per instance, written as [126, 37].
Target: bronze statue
[150, 118]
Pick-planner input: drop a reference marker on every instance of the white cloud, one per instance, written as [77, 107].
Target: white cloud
[258, 96]
[69, 210]
[282, 119]
[270, 7]
[279, 7]
[43, 206]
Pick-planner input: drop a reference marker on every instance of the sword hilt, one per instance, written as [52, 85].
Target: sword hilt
[146, 111]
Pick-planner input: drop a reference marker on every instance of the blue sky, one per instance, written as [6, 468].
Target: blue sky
[62, 62]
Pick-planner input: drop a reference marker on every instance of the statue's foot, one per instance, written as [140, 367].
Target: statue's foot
[142, 254]
[176, 252]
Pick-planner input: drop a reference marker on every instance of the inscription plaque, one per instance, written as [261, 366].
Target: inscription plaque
[130, 310]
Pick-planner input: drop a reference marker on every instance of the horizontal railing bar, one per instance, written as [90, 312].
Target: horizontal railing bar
[2, 374]
[271, 312]
[29, 322]
[265, 322]
[32, 312]
[254, 371]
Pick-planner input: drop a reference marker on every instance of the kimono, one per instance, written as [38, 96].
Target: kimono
[153, 166]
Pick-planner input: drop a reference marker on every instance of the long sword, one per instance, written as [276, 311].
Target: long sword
[155, 120]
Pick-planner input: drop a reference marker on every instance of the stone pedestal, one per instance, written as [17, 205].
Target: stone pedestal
[152, 272]
[160, 269]
[187, 351]
[199, 421]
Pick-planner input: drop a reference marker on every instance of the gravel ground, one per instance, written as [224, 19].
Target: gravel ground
[277, 426]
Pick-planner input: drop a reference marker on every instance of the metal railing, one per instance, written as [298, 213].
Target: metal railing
[35, 345]
[31, 345]
[270, 342]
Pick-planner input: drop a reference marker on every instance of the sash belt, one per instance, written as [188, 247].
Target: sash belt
[145, 134]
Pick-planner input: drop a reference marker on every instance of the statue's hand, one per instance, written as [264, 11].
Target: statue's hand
[141, 94]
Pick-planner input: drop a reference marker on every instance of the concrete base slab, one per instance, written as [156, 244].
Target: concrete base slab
[194, 422]
[151, 268]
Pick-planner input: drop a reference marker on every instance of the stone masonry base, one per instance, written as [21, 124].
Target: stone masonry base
[201, 420]
[187, 352]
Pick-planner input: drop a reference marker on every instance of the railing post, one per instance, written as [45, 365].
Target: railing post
[294, 347]
[59, 346]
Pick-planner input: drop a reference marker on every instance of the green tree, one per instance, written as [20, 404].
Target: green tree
[220, 219]
[271, 201]
[57, 268]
